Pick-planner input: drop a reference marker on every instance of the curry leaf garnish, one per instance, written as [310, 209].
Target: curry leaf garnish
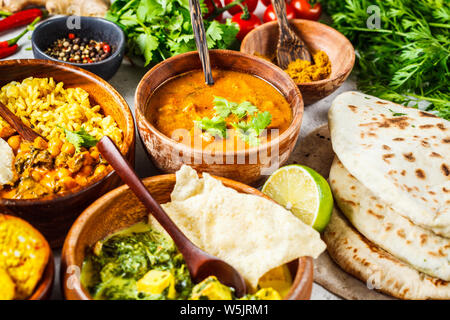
[80, 138]
[215, 126]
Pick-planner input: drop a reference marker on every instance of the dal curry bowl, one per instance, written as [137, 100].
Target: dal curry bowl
[48, 189]
[239, 128]
[119, 210]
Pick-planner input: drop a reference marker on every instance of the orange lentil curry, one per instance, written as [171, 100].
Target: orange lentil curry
[240, 103]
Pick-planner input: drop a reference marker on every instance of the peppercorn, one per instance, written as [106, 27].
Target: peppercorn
[79, 50]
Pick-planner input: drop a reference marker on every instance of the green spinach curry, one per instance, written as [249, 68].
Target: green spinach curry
[140, 263]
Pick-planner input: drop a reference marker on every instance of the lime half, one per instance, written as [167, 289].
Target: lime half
[302, 191]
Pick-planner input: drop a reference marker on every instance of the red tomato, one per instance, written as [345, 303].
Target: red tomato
[210, 7]
[251, 5]
[245, 25]
[270, 15]
[303, 9]
[266, 2]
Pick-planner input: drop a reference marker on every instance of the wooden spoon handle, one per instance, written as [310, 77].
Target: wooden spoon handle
[200, 39]
[280, 10]
[14, 121]
[112, 154]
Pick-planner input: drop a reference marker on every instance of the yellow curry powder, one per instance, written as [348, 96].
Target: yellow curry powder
[24, 254]
[303, 71]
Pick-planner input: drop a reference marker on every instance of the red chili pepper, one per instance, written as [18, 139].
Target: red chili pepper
[71, 36]
[7, 51]
[21, 18]
[13, 41]
[106, 48]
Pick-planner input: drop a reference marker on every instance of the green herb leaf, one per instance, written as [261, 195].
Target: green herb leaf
[215, 126]
[261, 121]
[224, 108]
[397, 114]
[80, 138]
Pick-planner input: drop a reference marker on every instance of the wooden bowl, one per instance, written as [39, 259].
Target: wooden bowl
[243, 165]
[120, 209]
[263, 40]
[53, 217]
[44, 287]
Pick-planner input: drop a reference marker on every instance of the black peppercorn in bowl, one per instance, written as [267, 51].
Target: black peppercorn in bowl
[94, 44]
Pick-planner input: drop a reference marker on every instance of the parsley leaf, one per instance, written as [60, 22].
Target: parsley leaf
[80, 138]
[261, 121]
[250, 131]
[224, 108]
[159, 29]
[215, 126]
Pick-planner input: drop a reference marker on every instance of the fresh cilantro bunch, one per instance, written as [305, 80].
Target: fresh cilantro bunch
[159, 29]
[80, 138]
[406, 60]
[248, 131]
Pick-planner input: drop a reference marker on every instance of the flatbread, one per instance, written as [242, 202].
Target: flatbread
[377, 268]
[251, 233]
[382, 225]
[402, 155]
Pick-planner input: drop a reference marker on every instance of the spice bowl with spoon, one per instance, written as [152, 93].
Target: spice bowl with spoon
[263, 41]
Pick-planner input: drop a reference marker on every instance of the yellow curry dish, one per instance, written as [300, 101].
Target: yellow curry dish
[65, 158]
[237, 112]
[23, 259]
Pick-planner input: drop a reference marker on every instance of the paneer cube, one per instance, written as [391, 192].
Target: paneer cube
[156, 281]
[211, 289]
[267, 294]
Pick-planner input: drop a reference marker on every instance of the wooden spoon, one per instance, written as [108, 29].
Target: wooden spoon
[14, 121]
[290, 46]
[200, 39]
[200, 263]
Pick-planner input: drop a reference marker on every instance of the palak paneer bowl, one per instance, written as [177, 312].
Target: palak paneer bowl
[225, 129]
[119, 210]
[52, 212]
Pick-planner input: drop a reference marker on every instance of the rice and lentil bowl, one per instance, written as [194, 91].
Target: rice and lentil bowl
[65, 162]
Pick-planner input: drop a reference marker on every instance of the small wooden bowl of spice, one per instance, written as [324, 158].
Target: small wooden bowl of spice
[333, 55]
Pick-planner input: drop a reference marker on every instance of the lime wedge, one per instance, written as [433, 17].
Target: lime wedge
[302, 191]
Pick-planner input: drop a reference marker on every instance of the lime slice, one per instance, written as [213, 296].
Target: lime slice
[302, 191]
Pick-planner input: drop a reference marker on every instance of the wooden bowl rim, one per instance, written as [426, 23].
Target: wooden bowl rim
[303, 276]
[119, 31]
[127, 144]
[273, 24]
[295, 124]
[45, 285]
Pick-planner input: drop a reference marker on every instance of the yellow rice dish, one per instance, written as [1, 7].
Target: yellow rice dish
[69, 159]
[43, 104]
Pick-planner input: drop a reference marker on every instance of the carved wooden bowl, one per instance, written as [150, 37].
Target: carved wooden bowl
[317, 36]
[247, 165]
[120, 209]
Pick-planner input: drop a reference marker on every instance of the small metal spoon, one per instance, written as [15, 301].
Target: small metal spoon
[200, 263]
[200, 39]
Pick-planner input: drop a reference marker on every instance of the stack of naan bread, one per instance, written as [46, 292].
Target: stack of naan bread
[391, 182]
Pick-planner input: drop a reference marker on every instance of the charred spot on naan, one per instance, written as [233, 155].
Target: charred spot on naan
[353, 108]
[420, 174]
[387, 156]
[441, 126]
[445, 170]
[446, 140]
[426, 114]
[409, 156]
[426, 126]
[435, 155]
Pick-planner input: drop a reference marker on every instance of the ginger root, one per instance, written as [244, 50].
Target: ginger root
[93, 8]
